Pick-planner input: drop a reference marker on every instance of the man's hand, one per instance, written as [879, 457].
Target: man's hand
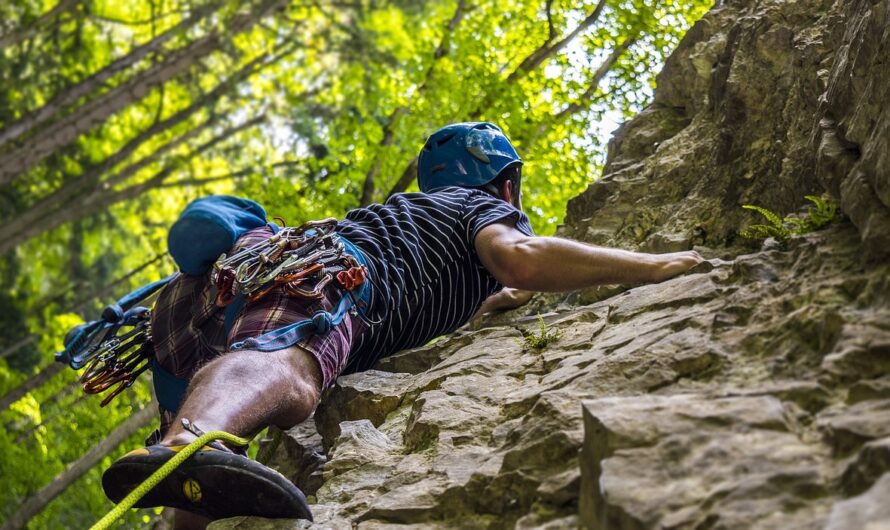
[676, 263]
[504, 299]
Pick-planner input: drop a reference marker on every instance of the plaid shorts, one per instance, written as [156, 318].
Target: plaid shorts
[188, 329]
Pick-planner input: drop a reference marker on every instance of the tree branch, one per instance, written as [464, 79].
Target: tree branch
[551, 29]
[601, 72]
[151, 20]
[16, 36]
[408, 176]
[548, 50]
[182, 183]
[441, 51]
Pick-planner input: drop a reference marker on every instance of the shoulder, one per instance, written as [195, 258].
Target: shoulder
[455, 196]
[451, 199]
[448, 193]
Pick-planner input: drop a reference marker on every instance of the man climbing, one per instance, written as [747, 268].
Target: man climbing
[431, 258]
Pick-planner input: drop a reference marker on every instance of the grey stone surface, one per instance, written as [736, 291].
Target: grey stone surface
[869, 511]
[750, 393]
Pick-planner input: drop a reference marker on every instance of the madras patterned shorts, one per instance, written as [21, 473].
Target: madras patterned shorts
[189, 330]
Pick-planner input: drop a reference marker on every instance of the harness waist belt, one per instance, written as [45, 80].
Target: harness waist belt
[170, 389]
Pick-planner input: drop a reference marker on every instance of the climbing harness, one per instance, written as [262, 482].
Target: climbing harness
[351, 274]
[301, 261]
[163, 472]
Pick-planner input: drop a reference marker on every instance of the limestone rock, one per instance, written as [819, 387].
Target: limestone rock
[750, 393]
[371, 395]
[297, 454]
[869, 511]
[686, 461]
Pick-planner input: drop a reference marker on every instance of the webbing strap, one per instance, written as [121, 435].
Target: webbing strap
[143, 292]
[321, 322]
[232, 311]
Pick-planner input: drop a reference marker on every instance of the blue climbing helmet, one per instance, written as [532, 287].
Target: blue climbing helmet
[469, 154]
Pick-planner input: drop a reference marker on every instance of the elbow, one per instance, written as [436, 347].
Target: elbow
[517, 268]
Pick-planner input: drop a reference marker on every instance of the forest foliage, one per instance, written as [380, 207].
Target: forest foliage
[113, 115]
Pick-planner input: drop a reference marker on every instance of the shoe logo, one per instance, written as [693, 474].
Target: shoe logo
[192, 490]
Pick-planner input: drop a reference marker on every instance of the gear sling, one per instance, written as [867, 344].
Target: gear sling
[302, 261]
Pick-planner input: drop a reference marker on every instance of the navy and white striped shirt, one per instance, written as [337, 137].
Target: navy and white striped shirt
[427, 278]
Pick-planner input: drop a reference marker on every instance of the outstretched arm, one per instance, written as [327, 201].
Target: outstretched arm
[554, 264]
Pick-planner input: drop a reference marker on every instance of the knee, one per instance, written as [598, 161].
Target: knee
[292, 370]
[235, 366]
[303, 374]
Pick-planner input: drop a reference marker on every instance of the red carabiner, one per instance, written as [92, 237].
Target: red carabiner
[352, 278]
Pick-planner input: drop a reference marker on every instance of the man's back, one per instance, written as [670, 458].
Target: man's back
[426, 275]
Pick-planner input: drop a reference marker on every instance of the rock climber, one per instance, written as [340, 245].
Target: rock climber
[433, 260]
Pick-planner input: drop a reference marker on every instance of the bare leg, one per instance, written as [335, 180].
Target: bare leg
[244, 392]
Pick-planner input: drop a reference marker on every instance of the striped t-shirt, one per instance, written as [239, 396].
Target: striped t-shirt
[427, 278]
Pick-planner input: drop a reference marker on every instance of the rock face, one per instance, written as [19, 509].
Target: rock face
[753, 392]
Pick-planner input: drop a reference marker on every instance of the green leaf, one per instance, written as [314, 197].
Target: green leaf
[770, 216]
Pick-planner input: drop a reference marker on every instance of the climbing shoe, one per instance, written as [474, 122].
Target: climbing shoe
[214, 483]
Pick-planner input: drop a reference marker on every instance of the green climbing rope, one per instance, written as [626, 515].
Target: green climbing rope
[162, 473]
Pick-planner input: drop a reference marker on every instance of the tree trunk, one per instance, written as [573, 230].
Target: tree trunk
[41, 145]
[96, 81]
[407, 177]
[26, 433]
[21, 227]
[35, 381]
[102, 199]
[79, 209]
[548, 50]
[18, 346]
[38, 501]
[18, 35]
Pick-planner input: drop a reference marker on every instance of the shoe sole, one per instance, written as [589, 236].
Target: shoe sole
[210, 483]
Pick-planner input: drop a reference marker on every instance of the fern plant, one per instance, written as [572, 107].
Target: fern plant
[781, 229]
[544, 336]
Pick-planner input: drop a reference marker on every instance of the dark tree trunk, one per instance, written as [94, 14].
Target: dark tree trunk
[38, 501]
[23, 226]
[96, 81]
[38, 379]
[36, 148]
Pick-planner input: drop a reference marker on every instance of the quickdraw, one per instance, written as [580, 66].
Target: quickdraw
[302, 261]
[115, 354]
